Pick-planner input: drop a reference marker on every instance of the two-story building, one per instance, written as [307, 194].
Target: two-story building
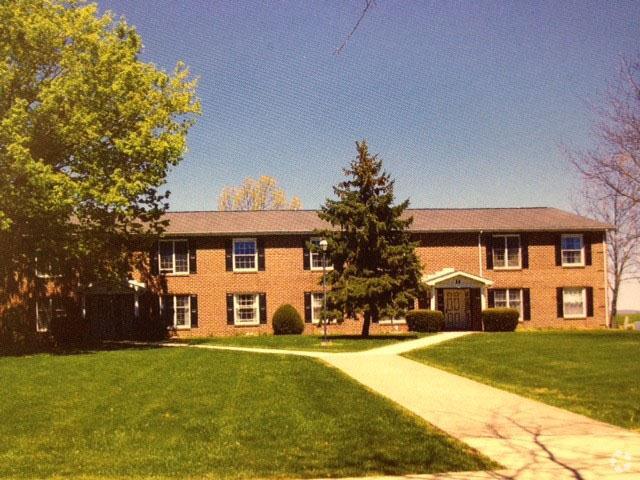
[225, 273]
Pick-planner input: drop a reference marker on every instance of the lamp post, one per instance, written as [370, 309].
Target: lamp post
[323, 246]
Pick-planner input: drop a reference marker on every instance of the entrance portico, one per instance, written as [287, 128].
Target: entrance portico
[460, 296]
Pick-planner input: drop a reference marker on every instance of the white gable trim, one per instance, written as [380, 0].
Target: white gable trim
[451, 273]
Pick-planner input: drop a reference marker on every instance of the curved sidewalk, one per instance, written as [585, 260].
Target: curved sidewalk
[530, 439]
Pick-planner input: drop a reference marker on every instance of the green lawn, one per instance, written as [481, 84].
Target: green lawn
[180, 413]
[337, 343]
[594, 373]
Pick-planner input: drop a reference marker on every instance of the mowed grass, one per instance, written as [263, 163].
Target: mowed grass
[185, 413]
[594, 373]
[337, 343]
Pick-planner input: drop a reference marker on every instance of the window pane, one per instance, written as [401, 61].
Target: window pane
[572, 243]
[500, 298]
[247, 311]
[244, 254]
[573, 301]
[245, 247]
[44, 314]
[317, 305]
[181, 257]
[513, 257]
[182, 311]
[513, 242]
[514, 299]
[166, 256]
[245, 261]
[571, 257]
[499, 257]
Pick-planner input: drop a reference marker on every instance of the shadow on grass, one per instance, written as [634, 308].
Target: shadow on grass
[84, 349]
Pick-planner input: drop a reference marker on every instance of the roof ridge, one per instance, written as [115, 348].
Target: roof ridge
[409, 209]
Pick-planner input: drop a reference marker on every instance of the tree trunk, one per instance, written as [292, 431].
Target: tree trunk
[366, 324]
[614, 302]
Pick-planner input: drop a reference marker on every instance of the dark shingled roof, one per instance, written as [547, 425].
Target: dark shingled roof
[424, 220]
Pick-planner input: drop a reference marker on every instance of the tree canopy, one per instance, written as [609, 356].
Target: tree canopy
[376, 271]
[88, 132]
[261, 194]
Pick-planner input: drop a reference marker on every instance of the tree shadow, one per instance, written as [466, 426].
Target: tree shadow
[84, 349]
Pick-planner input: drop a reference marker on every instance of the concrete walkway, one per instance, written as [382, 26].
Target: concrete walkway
[530, 439]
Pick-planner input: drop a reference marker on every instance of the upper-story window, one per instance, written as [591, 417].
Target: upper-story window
[245, 255]
[572, 250]
[173, 257]
[506, 251]
[315, 255]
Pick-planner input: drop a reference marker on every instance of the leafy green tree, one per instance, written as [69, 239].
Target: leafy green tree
[376, 270]
[88, 133]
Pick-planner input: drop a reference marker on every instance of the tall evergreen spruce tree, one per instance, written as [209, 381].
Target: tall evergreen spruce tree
[376, 270]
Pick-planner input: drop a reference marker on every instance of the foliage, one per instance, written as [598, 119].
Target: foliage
[287, 321]
[500, 319]
[88, 133]
[592, 373]
[425, 320]
[376, 270]
[17, 332]
[75, 415]
[261, 194]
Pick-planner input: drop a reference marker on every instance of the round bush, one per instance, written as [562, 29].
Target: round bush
[425, 321]
[287, 321]
[500, 319]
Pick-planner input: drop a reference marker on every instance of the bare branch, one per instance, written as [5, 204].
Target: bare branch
[367, 5]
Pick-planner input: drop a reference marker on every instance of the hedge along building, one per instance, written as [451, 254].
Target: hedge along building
[225, 273]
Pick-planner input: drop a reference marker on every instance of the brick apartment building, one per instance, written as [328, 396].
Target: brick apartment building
[225, 273]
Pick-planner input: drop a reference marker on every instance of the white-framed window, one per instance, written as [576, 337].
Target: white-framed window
[317, 305]
[572, 250]
[506, 251]
[315, 255]
[508, 298]
[173, 257]
[44, 312]
[246, 309]
[574, 302]
[44, 269]
[245, 255]
[181, 309]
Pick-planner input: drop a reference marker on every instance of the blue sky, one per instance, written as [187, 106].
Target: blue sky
[466, 102]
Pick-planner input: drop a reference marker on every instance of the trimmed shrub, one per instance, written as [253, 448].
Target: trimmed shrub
[500, 319]
[425, 320]
[287, 321]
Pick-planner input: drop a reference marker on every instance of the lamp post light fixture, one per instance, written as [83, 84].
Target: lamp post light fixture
[323, 247]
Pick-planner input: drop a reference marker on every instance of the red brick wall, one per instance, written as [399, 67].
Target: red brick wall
[285, 281]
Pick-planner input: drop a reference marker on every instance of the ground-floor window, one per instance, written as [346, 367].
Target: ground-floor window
[44, 312]
[246, 309]
[508, 298]
[574, 303]
[176, 309]
[317, 305]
